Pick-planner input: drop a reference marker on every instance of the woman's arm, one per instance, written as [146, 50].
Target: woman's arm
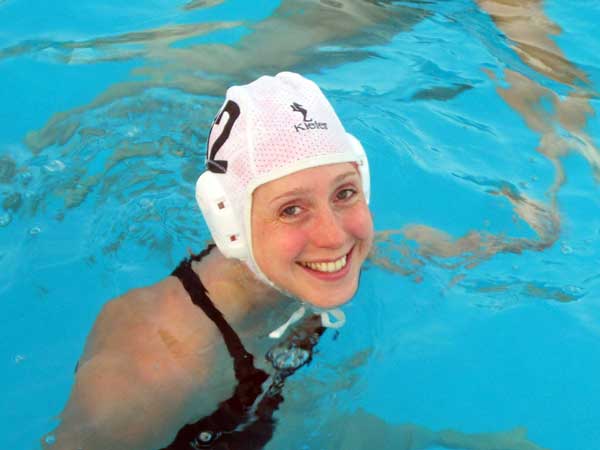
[142, 376]
[363, 430]
[515, 439]
[110, 407]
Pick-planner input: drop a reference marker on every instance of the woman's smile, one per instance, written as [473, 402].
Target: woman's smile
[332, 269]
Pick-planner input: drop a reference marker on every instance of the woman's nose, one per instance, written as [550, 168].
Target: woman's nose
[328, 231]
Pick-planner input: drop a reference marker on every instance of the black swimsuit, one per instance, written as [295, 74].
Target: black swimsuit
[245, 420]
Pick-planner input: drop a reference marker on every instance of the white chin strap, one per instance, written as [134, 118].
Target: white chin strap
[338, 314]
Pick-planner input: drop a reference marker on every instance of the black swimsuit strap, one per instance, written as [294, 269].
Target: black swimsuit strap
[243, 361]
[234, 411]
[235, 425]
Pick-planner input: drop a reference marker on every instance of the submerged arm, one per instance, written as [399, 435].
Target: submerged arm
[364, 430]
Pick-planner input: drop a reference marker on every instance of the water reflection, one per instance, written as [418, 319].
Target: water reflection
[156, 114]
[280, 42]
[146, 135]
[158, 118]
[346, 29]
[558, 120]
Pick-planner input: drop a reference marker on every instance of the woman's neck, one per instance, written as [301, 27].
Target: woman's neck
[233, 288]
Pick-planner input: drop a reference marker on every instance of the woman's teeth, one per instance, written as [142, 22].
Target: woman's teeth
[332, 266]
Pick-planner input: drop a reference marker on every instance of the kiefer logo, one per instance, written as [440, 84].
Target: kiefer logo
[306, 124]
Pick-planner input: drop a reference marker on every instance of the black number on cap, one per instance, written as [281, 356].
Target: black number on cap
[233, 112]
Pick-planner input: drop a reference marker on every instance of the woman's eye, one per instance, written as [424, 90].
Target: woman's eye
[345, 194]
[291, 211]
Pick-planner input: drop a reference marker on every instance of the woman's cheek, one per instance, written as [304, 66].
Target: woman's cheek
[290, 243]
[361, 224]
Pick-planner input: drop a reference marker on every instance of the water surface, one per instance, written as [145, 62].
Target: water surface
[479, 311]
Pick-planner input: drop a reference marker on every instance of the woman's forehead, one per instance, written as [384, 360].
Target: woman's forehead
[306, 180]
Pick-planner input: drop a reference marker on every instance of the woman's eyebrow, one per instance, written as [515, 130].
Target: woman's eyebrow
[344, 175]
[291, 193]
[302, 191]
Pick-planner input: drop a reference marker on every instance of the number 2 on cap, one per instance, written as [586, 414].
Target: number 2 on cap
[233, 112]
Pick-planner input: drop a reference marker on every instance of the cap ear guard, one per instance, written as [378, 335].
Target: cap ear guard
[219, 216]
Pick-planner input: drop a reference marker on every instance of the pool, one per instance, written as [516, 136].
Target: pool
[479, 310]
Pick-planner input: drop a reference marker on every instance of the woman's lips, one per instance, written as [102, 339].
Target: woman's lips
[322, 269]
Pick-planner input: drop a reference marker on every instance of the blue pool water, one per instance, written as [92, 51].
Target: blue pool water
[484, 154]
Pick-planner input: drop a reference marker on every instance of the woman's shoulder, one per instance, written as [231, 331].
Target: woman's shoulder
[150, 320]
[149, 346]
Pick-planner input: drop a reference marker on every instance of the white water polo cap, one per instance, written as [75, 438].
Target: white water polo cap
[266, 130]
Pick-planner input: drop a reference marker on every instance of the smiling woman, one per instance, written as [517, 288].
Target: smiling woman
[287, 205]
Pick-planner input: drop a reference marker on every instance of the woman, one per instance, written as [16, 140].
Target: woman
[285, 196]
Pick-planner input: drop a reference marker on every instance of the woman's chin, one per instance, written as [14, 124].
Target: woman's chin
[329, 300]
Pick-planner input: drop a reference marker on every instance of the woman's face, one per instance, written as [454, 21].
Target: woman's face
[312, 231]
